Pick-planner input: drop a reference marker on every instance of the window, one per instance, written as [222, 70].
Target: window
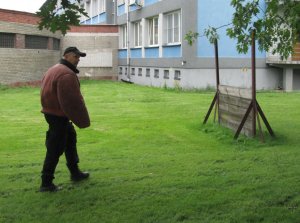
[173, 27]
[140, 72]
[177, 75]
[126, 71]
[123, 40]
[137, 26]
[120, 70]
[36, 42]
[132, 71]
[156, 73]
[7, 40]
[153, 31]
[166, 74]
[147, 72]
[56, 44]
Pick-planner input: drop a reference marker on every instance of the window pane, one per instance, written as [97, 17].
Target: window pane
[140, 33]
[170, 28]
[173, 27]
[156, 30]
[7, 40]
[176, 27]
[124, 37]
[170, 35]
[136, 38]
[36, 42]
[137, 34]
[150, 34]
[56, 44]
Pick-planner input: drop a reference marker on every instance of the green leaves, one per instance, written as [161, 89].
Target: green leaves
[67, 15]
[276, 31]
[191, 37]
[211, 34]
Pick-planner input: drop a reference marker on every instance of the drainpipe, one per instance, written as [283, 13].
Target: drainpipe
[128, 41]
[115, 11]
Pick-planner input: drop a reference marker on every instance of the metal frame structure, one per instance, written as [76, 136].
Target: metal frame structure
[254, 106]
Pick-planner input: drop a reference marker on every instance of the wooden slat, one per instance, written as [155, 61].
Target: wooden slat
[233, 110]
[236, 101]
[235, 91]
[233, 104]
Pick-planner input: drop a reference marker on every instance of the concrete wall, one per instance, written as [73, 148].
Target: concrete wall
[19, 64]
[205, 78]
[101, 45]
[25, 65]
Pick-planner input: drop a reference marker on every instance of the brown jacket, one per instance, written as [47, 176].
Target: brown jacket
[61, 96]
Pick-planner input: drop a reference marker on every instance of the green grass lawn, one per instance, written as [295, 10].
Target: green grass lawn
[151, 160]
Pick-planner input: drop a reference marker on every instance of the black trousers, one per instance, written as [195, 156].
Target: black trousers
[60, 138]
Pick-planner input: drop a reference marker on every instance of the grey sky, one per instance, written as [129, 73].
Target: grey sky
[22, 5]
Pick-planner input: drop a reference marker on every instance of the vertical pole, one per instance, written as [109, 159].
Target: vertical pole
[253, 84]
[217, 79]
[128, 41]
[217, 63]
[115, 11]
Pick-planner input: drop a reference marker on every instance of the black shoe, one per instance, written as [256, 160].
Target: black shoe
[50, 188]
[80, 176]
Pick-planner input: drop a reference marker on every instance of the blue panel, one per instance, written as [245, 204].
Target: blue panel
[121, 9]
[95, 20]
[102, 17]
[216, 13]
[136, 53]
[150, 2]
[172, 51]
[123, 53]
[152, 52]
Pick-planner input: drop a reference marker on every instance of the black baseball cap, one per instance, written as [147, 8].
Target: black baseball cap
[73, 49]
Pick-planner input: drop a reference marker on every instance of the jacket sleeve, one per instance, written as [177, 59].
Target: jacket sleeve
[71, 100]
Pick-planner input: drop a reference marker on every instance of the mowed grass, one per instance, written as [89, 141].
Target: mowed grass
[151, 160]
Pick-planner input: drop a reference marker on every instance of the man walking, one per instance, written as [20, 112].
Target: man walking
[62, 105]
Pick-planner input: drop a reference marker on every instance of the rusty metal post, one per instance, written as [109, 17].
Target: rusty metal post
[253, 67]
[215, 101]
[217, 79]
[217, 63]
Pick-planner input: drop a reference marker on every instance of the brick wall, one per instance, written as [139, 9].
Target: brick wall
[18, 17]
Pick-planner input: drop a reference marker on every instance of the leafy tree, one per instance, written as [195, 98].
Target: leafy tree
[68, 14]
[277, 25]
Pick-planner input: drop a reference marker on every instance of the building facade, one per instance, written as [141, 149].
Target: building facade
[152, 50]
[27, 52]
